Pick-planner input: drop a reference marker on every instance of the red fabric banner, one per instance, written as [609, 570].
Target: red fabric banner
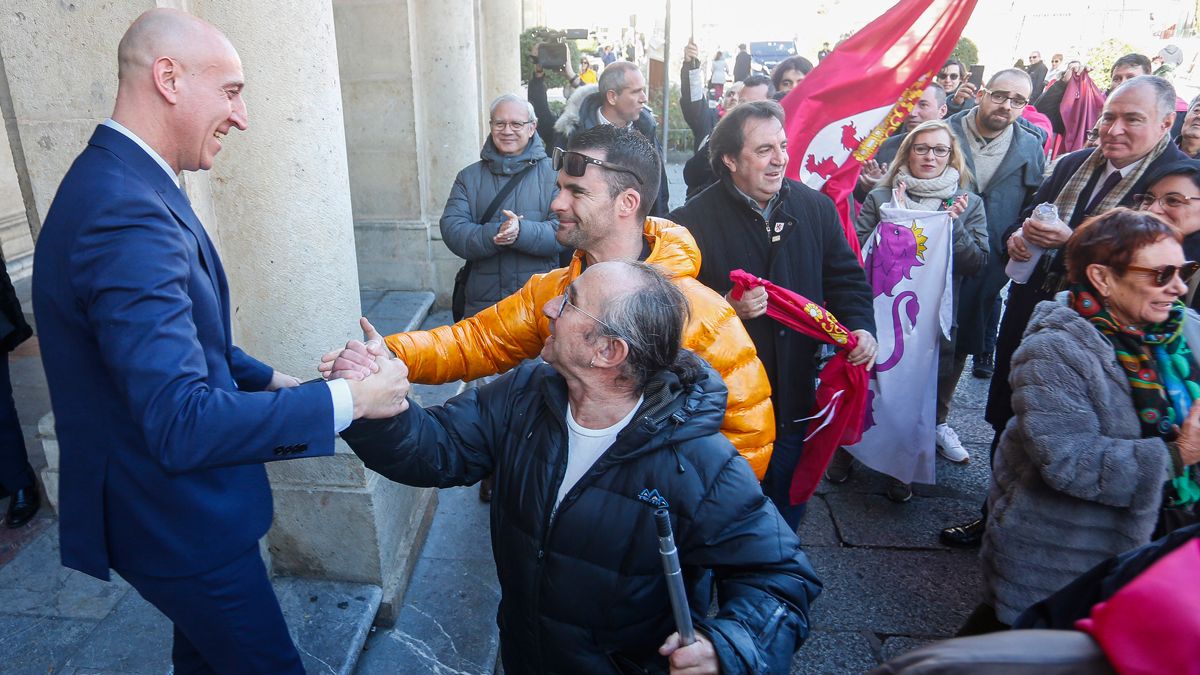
[853, 100]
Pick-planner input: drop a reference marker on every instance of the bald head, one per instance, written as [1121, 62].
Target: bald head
[166, 32]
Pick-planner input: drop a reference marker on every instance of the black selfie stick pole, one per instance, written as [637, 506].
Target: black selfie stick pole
[670, 560]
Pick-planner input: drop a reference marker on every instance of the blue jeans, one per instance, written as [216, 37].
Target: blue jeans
[777, 482]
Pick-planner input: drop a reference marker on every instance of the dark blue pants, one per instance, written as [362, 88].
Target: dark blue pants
[15, 472]
[778, 480]
[226, 621]
[992, 326]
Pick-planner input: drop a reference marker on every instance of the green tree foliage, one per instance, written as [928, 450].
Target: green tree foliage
[1101, 58]
[533, 36]
[966, 51]
[680, 135]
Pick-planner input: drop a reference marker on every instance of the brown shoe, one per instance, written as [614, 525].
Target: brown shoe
[485, 489]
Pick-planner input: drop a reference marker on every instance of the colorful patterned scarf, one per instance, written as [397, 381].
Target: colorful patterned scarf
[1164, 383]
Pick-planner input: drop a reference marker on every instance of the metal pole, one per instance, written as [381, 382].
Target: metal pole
[666, 94]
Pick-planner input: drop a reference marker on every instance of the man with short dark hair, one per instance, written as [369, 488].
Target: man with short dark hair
[619, 422]
[786, 232]
[1037, 71]
[931, 106]
[953, 79]
[604, 180]
[617, 99]
[1128, 67]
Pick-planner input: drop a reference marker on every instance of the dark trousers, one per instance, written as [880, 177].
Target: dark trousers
[15, 472]
[992, 326]
[226, 621]
[777, 482]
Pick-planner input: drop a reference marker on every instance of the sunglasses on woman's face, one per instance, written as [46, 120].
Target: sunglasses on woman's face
[1161, 276]
[575, 164]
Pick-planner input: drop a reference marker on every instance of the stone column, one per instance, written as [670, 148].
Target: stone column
[499, 28]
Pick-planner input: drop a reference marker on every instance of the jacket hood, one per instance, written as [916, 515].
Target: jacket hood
[506, 165]
[672, 248]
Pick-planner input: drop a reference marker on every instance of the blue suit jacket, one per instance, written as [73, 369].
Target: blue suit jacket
[162, 422]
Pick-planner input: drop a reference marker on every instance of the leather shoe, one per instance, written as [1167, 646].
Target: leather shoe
[22, 506]
[964, 536]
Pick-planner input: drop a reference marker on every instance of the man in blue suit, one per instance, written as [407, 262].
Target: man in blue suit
[163, 423]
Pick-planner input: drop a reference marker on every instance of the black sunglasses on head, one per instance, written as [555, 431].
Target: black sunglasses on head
[575, 164]
[1161, 276]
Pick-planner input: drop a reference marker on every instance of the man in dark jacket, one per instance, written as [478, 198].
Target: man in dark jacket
[618, 99]
[788, 233]
[741, 64]
[621, 423]
[1037, 72]
[1134, 141]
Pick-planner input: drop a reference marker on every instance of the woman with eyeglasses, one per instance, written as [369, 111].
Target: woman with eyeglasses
[1174, 195]
[1103, 390]
[930, 171]
[504, 239]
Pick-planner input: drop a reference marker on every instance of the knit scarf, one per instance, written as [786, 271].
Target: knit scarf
[1164, 384]
[928, 194]
[986, 155]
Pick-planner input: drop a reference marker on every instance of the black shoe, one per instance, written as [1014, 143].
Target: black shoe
[984, 366]
[840, 466]
[964, 536]
[485, 490]
[22, 506]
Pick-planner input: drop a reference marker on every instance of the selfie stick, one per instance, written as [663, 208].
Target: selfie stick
[670, 560]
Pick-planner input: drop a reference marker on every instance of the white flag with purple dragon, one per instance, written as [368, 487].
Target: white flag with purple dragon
[907, 260]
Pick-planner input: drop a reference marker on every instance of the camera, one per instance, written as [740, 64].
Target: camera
[552, 51]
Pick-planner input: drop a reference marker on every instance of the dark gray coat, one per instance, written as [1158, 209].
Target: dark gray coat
[500, 271]
[1073, 481]
[1008, 194]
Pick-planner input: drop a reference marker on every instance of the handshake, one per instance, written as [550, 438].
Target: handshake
[378, 380]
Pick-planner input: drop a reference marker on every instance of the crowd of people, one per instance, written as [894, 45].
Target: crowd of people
[617, 372]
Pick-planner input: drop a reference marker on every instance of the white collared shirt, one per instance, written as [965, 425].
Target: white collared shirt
[605, 120]
[339, 390]
[119, 128]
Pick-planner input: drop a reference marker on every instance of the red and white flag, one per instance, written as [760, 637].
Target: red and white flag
[853, 100]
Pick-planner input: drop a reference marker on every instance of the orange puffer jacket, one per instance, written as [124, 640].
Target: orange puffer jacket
[514, 329]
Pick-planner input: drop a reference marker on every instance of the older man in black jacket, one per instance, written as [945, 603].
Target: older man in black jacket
[622, 422]
[781, 230]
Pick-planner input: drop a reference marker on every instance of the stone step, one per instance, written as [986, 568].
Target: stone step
[69, 622]
[396, 311]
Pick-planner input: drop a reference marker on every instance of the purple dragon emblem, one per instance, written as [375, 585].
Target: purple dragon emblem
[897, 250]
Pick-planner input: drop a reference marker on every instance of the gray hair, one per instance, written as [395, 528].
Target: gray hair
[511, 98]
[649, 318]
[612, 78]
[1164, 93]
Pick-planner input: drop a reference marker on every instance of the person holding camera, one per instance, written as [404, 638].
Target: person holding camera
[618, 99]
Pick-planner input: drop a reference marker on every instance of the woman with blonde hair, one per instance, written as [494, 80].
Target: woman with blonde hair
[929, 174]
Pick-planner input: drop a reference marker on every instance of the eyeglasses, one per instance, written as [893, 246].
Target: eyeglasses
[567, 301]
[1171, 200]
[937, 150]
[948, 76]
[999, 97]
[575, 164]
[498, 125]
[1163, 275]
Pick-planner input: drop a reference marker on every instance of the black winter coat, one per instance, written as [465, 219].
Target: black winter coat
[582, 589]
[811, 258]
[1022, 298]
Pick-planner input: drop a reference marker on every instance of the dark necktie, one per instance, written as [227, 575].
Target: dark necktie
[1109, 184]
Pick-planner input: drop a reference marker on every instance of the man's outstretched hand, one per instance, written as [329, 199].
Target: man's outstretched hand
[357, 359]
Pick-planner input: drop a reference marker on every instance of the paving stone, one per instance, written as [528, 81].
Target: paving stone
[447, 624]
[876, 521]
[834, 652]
[895, 646]
[36, 584]
[461, 528]
[400, 311]
[817, 528]
[12, 541]
[134, 639]
[329, 620]
[38, 644]
[921, 593]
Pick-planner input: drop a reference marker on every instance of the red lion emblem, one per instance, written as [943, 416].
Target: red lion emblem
[823, 168]
[850, 140]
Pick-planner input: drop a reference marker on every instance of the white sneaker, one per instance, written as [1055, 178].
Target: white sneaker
[949, 446]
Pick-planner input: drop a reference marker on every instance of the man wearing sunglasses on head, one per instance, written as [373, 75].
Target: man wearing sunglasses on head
[606, 180]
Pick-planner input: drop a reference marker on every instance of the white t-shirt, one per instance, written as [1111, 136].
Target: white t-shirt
[584, 447]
